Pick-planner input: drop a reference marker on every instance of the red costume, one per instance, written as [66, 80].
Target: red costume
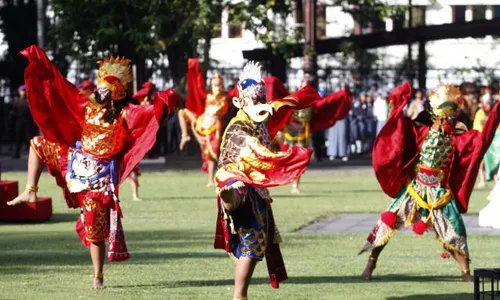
[87, 151]
[397, 147]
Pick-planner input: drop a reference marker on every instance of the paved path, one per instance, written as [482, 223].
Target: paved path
[363, 223]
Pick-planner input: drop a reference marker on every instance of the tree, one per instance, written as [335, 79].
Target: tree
[87, 31]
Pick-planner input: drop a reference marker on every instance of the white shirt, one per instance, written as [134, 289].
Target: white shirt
[380, 109]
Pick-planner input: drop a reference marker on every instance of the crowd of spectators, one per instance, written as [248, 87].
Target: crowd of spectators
[355, 135]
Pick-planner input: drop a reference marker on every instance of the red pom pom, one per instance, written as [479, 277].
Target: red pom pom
[445, 255]
[389, 218]
[420, 227]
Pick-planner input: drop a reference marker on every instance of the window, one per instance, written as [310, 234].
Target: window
[459, 13]
[496, 11]
[235, 30]
[478, 12]
[320, 21]
[418, 15]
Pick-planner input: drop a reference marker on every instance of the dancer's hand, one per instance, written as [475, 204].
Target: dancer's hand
[233, 196]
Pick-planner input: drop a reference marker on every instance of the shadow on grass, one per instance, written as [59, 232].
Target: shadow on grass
[20, 250]
[63, 218]
[458, 296]
[301, 280]
[56, 218]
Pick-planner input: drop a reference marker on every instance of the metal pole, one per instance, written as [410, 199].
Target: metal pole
[410, 54]
[310, 63]
[40, 23]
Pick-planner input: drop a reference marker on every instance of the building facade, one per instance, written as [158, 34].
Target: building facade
[451, 60]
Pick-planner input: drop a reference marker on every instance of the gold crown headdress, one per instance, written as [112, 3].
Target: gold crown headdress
[445, 100]
[115, 74]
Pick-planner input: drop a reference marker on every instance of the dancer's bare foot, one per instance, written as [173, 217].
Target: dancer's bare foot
[136, 198]
[466, 277]
[367, 273]
[98, 284]
[481, 185]
[211, 184]
[98, 281]
[29, 195]
[184, 140]
[295, 190]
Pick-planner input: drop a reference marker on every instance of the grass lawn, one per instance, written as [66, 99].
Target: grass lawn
[170, 237]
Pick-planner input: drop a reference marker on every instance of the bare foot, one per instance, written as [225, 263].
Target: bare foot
[466, 277]
[367, 273]
[481, 185]
[25, 196]
[136, 198]
[211, 184]
[98, 284]
[184, 140]
[295, 191]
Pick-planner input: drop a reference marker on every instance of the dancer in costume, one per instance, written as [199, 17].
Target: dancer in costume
[430, 172]
[90, 145]
[247, 167]
[204, 112]
[322, 115]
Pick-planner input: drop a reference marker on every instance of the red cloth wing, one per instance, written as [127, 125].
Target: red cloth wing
[285, 169]
[169, 98]
[396, 146]
[56, 105]
[274, 88]
[143, 126]
[143, 123]
[196, 94]
[303, 98]
[470, 149]
[329, 109]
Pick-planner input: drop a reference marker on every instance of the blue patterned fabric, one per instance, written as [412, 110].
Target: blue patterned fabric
[250, 224]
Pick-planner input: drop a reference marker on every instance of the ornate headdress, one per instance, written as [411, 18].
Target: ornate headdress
[252, 94]
[251, 85]
[445, 100]
[115, 74]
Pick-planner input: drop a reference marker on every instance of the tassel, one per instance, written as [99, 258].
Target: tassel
[389, 218]
[420, 227]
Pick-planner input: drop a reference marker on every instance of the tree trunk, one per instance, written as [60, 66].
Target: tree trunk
[422, 65]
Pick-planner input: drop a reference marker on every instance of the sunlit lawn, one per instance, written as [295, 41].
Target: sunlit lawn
[170, 237]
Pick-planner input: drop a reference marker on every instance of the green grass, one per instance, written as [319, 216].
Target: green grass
[170, 237]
